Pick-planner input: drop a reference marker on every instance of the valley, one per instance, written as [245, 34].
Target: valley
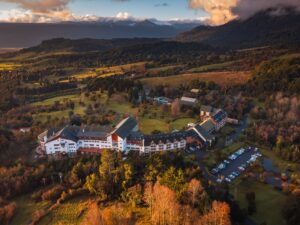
[194, 125]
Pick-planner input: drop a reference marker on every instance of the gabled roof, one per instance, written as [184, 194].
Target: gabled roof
[219, 116]
[164, 138]
[68, 132]
[94, 132]
[135, 135]
[188, 100]
[203, 133]
[207, 108]
[124, 128]
[208, 125]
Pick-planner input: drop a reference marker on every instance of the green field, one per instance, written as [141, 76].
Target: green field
[206, 68]
[8, 66]
[163, 68]
[69, 213]
[221, 78]
[25, 209]
[268, 201]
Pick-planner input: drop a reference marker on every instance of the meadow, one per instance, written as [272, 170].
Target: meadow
[268, 201]
[221, 78]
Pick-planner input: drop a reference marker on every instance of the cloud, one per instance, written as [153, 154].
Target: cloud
[164, 4]
[222, 11]
[123, 16]
[40, 10]
[41, 6]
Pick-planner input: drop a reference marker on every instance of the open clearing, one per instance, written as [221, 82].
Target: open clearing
[25, 209]
[221, 78]
[266, 197]
[69, 213]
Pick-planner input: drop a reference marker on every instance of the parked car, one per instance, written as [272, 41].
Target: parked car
[232, 157]
[236, 174]
[241, 168]
[227, 179]
[231, 176]
[226, 161]
[219, 180]
[214, 171]
[192, 149]
[221, 166]
[241, 151]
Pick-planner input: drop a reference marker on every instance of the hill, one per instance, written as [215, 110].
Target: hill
[264, 28]
[20, 35]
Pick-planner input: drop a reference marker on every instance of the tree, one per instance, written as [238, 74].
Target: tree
[291, 209]
[218, 215]
[250, 196]
[175, 107]
[194, 190]
[164, 209]
[174, 179]
[93, 216]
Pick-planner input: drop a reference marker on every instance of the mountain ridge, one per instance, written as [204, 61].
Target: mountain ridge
[263, 28]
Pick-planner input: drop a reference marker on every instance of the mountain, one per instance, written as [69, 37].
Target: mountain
[20, 35]
[86, 45]
[264, 28]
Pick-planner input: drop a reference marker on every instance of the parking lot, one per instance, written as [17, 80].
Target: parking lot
[235, 164]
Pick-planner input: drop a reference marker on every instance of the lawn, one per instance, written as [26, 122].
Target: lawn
[163, 68]
[51, 101]
[221, 78]
[8, 66]
[149, 125]
[233, 147]
[268, 201]
[69, 213]
[182, 123]
[206, 68]
[280, 163]
[25, 208]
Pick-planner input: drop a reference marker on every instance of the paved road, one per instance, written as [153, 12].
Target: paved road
[233, 166]
[239, 130]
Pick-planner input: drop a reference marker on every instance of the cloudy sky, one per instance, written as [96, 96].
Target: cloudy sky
[212, 11]
[14, 10]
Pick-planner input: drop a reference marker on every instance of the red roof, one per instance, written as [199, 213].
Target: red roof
[90, 150]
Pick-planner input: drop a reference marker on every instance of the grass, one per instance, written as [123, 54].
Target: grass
[268, 201]
[181, 123]
[233, 147]
[25, 208]
[149, 125]
[69, 213]
[206, 68]
[8, 66]
[163, 68]
[221, 78]
[280, 163]
[51, 101]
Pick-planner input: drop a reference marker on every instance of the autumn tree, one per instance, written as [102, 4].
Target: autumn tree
[218, 215]
[164, 209]
[175, 107]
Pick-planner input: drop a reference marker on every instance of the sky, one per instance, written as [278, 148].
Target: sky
[213, 12]
[141, 9]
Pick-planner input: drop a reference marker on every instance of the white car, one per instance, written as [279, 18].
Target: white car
[241, 168]
[227, 179]
[231, 176]
[241, 151]
[221, 166]
[232, 157]
[219, 180]
[226, 161]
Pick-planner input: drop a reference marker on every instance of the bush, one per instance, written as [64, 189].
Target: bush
[7, 212]
[53, 194]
